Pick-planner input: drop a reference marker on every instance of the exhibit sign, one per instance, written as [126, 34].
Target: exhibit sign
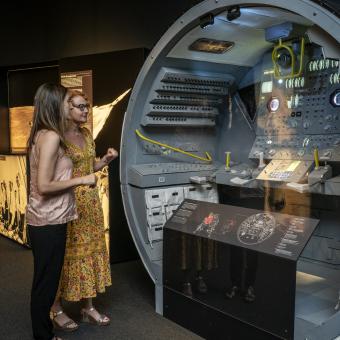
[13, 197]
[20, 127]
[267, 232]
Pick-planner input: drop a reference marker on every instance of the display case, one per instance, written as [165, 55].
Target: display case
[231, 272]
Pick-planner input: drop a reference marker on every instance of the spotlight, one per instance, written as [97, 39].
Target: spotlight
[233, 13]
[206, 20]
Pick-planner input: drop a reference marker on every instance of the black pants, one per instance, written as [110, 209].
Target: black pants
[48, 246]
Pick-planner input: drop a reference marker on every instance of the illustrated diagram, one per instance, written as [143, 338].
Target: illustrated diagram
[256, 228]
[209, 224]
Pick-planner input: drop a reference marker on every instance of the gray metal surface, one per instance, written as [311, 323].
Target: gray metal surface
[197, 102]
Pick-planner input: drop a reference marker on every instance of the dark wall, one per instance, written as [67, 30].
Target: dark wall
[36, 31]
[23, 83]
[4, 116]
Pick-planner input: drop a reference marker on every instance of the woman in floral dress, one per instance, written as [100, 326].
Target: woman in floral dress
[86, 269]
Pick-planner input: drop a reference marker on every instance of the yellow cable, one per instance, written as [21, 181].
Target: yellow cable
[208, 159]
[302, 54]
[292, 74]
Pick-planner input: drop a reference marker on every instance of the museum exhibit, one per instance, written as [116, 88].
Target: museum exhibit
[230, 169]
[222, 211]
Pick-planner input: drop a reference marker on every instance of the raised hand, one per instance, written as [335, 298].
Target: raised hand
[111, 154]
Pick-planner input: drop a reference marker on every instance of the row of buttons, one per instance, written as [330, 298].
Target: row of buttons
[177, 119]
[214, 90]
[173, 78]
[186, 108]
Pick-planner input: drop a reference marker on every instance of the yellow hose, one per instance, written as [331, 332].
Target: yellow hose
[207, 159]
[277, 73]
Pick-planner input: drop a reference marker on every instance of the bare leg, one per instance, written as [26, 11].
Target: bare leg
[92, 315]
[60, 319]
[56, 305]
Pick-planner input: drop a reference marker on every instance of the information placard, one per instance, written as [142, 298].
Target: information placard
[267, 232]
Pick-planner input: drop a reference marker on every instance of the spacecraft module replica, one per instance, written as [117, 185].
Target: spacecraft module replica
[239, 104]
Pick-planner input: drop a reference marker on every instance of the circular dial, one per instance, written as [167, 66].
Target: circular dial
[273, 104]
[335, 98]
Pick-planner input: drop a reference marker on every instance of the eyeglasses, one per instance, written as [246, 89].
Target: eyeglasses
[81, 107]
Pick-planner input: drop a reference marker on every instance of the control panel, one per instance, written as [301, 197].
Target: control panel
[295, 115]
[160, 174]
[297, 147]
[184, 99]
[285, 170]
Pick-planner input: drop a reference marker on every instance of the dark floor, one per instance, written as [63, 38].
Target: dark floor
[129, 302]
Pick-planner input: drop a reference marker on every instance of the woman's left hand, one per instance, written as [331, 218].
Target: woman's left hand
[111, 154]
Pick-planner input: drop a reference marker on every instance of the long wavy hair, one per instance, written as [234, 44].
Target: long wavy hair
[49, 112]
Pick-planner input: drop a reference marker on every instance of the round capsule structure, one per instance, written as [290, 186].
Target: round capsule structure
[205, 89]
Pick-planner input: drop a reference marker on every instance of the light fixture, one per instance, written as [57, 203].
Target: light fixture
[207, 20]
[211, 45]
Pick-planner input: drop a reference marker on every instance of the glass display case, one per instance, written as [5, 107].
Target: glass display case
[238, 263]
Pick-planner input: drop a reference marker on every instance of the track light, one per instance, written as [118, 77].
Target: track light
[206, 20]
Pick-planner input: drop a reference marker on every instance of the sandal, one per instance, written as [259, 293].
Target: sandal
[68, 326]
[103, 320]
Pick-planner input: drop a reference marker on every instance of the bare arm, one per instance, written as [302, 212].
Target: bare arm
[98, 165]
[111, 154]
[48, 153]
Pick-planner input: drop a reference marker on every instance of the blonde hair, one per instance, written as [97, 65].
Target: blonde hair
[49, 111]
[76, 93]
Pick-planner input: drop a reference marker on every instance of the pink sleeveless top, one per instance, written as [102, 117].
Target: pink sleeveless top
[56, 208]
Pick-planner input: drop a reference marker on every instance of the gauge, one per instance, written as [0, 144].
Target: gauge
[335, 98]
[273, 104]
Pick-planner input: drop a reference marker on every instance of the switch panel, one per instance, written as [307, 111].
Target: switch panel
[185, 99]
[297, 115]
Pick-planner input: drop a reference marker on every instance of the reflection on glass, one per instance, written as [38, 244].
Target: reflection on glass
[243, 267]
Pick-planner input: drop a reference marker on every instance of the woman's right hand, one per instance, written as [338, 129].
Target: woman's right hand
[90, 180]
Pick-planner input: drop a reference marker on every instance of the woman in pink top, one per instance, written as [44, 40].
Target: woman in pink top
[51, 201]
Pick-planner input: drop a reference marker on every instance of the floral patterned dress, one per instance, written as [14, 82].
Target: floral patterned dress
[86, 268]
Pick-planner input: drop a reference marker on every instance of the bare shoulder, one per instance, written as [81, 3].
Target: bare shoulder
[49, 137]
